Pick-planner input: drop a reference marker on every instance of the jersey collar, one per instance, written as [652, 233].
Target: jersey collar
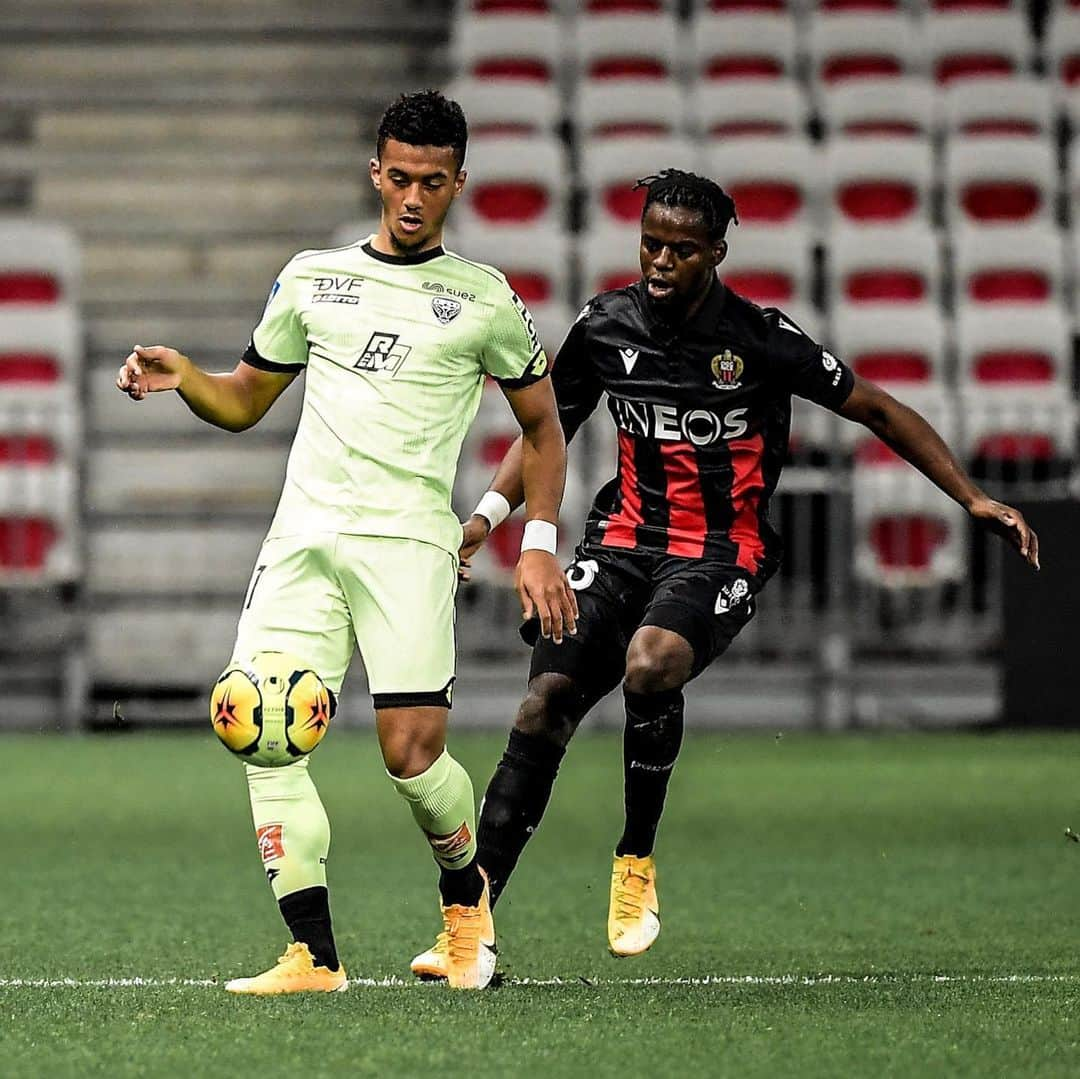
[403, 260]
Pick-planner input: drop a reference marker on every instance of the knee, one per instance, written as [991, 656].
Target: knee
[410, 750]
[552, 709]
[656, 668]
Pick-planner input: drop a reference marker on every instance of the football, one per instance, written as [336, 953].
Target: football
[270, 710]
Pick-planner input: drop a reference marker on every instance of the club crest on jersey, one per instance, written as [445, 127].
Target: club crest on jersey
[446, 309]
[727, 370]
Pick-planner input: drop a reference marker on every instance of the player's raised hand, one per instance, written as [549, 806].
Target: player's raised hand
[546, 594]
[149, 370]
[1008, 523]
[474, 532]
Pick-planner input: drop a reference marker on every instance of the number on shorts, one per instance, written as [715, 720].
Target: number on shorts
[254, 584]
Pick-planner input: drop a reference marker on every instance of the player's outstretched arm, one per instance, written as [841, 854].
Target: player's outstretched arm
[902, 429]
[541, 456]
[234, 400]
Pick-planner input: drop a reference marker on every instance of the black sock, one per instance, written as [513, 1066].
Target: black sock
[514, 802]
[461, 887]
[307, 914]
[651, 741]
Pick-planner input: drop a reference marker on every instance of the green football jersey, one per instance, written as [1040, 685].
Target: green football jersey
[396, 349]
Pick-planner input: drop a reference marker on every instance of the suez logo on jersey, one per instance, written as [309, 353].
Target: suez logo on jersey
[446, 306]
[667, 423]
[382, 353]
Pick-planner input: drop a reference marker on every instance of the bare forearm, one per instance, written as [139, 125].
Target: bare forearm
[508, 479]
[905, 431]
[223, 400]
[543, 469]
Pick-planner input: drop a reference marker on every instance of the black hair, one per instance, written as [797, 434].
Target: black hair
[673, 187]
[425, 118]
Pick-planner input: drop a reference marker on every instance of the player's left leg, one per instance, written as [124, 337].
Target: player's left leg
[696, 611]
[401, 594]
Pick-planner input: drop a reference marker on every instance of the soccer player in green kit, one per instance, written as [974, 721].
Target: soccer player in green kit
[396, 336]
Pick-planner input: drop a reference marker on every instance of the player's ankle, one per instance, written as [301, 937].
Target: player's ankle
[461, 887]
[307, 914]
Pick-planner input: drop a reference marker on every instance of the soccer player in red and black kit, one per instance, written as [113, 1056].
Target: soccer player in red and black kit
[676, 547]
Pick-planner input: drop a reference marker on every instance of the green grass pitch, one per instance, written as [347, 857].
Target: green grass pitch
[919, 889]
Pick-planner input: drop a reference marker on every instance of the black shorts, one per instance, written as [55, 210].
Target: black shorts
[705, 602]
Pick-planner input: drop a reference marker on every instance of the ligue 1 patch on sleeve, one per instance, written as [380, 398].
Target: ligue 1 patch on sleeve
[271, 840]
[453, 846]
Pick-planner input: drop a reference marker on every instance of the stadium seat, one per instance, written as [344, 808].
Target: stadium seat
[1013, 346]
[897, 106]
[760, 45]
[878, 181]
[609, 257]
[537, 262]
[1061, 39]
[998, 179]
[515, 181]
[893, 345]
[40, 346]
[883, 265]
[611, 167]
[552, 322]
[961, 45]
[510, 46]
[908, 534]
[862, 45]
[619, 46]
[771, 266]
[1073, 183]
[1008, 264]
[773, 180]
[1018, 436]
[735, 107]
[933, 401]
[618, 108]
[993, 105]
[39, 262]
[513, 108]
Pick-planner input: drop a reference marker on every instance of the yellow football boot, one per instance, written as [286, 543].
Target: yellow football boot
[634, 912]
[464, 953]
[295, 973]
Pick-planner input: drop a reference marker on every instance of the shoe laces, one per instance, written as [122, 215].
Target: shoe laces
[294, 955]
[630, 895]
[462, 932]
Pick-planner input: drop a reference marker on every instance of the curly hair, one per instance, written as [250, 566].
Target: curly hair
[425, 118]
[673, 187]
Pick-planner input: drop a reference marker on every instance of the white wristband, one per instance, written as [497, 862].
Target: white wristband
[493, 508]
[540, 536]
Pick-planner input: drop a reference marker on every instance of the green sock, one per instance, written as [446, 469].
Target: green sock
[441, 800]
[291, 827]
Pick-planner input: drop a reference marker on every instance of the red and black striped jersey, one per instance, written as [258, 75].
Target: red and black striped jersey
[703, 412]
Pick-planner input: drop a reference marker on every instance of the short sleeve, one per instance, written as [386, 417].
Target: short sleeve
[279, 342]
[512, 352]
[799, 365]
[576, 385]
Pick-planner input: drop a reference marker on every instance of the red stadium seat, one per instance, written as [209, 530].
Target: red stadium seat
[515, 108]
[536, 262]
[1014, 431]
[771, 266]
[508, 47]
[999, 180]
[732, 108]
[515, 182]
[25, 543]
[773, 181]
[962, 45]
[878, 181]
[40, 347]
[743, 46]
[1013, 345]
[627, 107]
[884, 265]
[1062, 42]
[611, 167]
[893, 107]
[39, 262]
[1009, 264]
[609, 257]
[849, 45]
[627, 46]
[894, 344]
[994, 106]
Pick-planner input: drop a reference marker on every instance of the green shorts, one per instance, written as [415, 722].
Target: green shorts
[321, 595]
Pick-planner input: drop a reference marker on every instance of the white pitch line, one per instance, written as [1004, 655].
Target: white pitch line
[732, 980]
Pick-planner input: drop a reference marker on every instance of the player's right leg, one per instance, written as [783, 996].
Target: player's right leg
[293, 605]
[565, 682]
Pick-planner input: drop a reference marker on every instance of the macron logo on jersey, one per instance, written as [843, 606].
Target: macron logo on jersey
[629, 357]
[789, 326]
